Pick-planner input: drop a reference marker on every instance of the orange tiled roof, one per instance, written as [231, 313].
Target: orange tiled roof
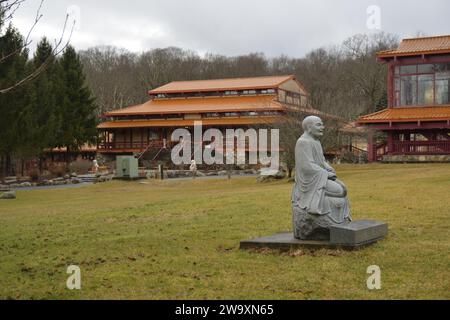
[187, 123]
[222, 84]
[417, 46]
[201, 105]
[408, 114]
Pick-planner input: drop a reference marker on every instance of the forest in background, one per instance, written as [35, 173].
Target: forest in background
[344, 80]
[54, 97]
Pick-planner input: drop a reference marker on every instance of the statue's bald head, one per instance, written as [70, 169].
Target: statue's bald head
[309, 121]
[313, 125]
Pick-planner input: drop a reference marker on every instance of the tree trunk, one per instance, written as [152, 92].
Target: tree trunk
[40, 165]
[289, 171]
[8, 167]
[22, 167]
[67, 158]
[2, 166]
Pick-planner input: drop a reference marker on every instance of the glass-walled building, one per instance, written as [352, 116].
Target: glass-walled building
[416, 121]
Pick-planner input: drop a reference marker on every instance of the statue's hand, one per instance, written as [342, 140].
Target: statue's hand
[332, 175]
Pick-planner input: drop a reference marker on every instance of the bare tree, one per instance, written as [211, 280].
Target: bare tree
[7, 10]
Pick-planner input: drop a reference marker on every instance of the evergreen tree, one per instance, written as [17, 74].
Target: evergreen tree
[44, 117]
[12, 104]
[78, 108]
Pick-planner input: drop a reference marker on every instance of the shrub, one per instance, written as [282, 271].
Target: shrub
[58, 171]
[80, 166]
[34, 174]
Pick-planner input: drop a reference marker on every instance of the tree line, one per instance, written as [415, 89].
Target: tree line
[61, 104]
[56, 109]
[344, 80]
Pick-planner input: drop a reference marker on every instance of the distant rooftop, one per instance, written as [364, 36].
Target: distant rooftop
[222, 85]
[419, 46]
[435, 113]
[215, 104]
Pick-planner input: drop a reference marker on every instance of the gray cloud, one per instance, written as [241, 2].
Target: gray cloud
[291, 27]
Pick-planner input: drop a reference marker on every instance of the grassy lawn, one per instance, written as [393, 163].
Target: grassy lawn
[180, 239]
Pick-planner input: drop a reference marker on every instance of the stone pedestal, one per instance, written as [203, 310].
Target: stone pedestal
[350, 236]
[358, 233]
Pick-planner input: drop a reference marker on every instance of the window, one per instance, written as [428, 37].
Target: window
[443, 87]
[408, 69]
[426, 89]
[423, 84]
[426, 68]
[409, 90]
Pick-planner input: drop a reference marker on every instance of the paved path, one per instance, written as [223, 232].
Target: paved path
[213, 177]
[63, 186]
[145, 181]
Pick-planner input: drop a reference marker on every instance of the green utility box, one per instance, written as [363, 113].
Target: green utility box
[127, 167]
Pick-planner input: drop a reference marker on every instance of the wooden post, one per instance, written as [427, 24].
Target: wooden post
[371, 148]
[390, 139]
[161, 171]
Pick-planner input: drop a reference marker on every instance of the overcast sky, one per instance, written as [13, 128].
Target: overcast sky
[232, 27]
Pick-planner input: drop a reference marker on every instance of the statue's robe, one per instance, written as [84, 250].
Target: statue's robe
[314, 193]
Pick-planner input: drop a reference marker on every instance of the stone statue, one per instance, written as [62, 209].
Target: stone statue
[319, 199]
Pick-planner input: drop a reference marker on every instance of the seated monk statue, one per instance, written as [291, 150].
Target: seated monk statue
[319, 199]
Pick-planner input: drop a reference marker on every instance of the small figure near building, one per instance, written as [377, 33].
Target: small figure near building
[193, 169]
[95, 166]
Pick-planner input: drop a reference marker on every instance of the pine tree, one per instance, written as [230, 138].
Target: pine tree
[45, 101]
[12, 104]
[78, 108]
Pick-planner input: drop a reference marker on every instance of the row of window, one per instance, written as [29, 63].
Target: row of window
[214, 93]
[206, 115]
[423, 84]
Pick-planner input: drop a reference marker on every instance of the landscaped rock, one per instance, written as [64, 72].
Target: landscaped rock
[67, 177]
[25, 185]
[76, 181]
[275, 174]
[9, 180]
[73, 175]
[8, 195]
[223, 173]
[265, 179]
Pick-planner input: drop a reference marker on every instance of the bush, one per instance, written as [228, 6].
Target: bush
[58, 171]
[81, 167]
[34, 174]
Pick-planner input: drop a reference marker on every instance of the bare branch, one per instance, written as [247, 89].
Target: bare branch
[57, 49]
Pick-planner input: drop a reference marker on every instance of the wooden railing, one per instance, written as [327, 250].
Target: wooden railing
[421, 147]
[381, 150]
[138, 145]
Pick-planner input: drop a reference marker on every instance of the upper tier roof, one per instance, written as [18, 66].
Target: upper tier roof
[419, 46]
[412, 114]
[222, 85]
[201, 105]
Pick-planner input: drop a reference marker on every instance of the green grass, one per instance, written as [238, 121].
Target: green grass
[180, 239]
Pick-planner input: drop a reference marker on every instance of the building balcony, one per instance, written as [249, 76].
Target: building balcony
[440, 147]
[137, 146]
